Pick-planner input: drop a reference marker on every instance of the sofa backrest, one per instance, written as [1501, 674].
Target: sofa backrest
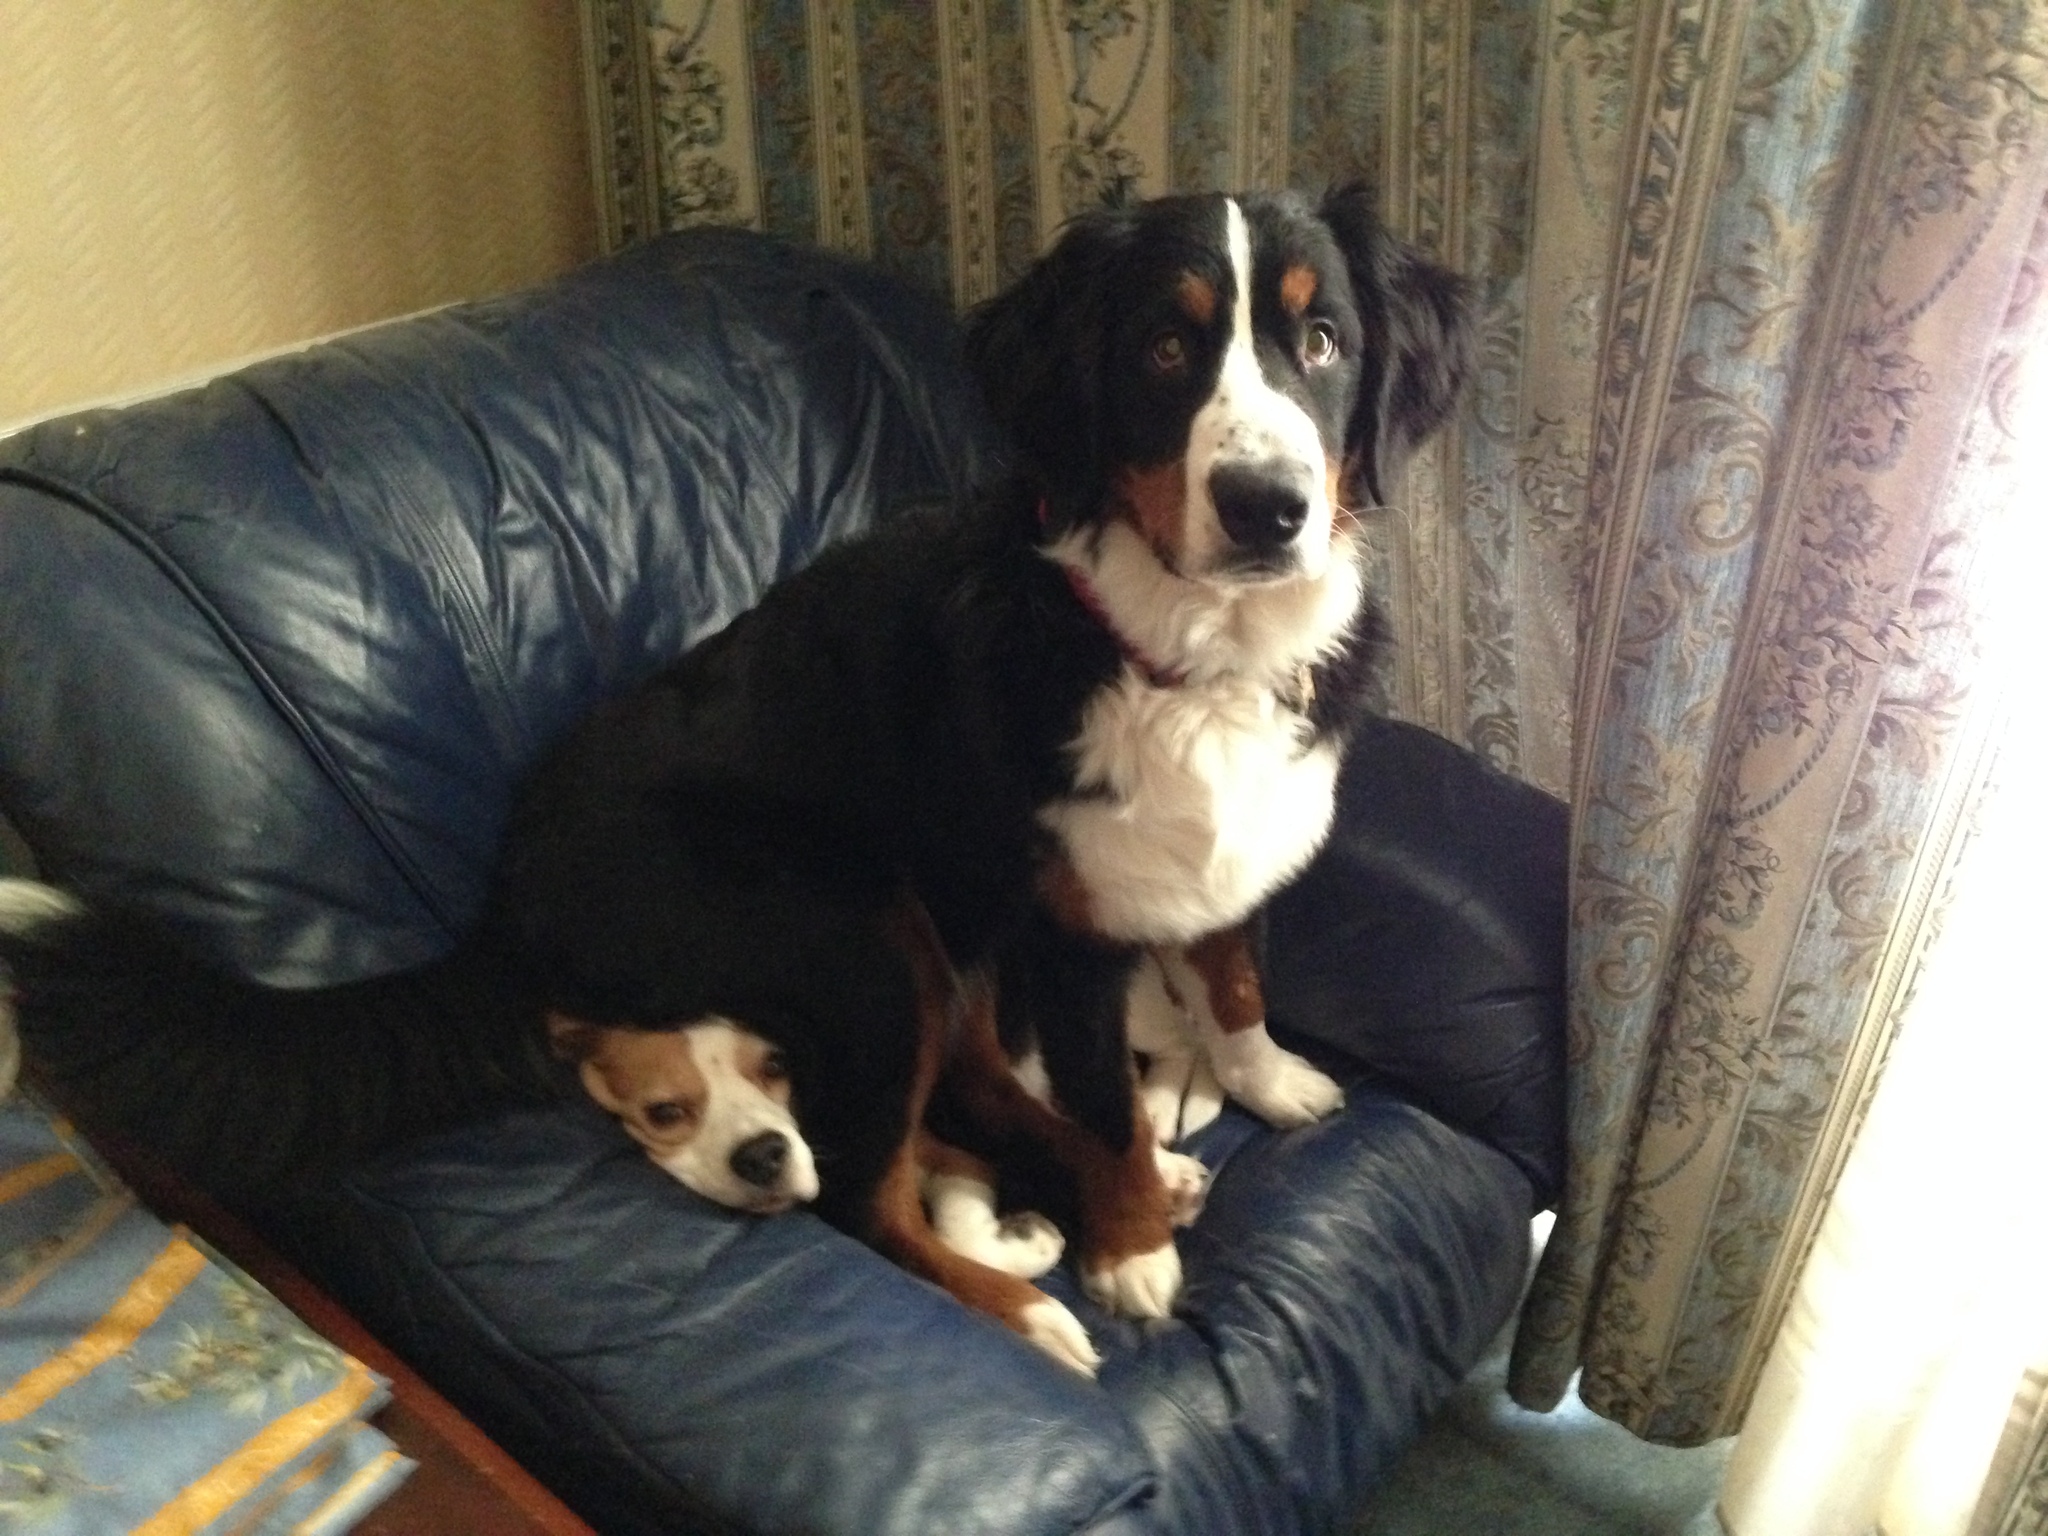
[274, 651]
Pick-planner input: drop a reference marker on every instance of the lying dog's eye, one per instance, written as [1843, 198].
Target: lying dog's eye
[1319, 344]
[1169, 351]
[670, 1114]
[775, 1067]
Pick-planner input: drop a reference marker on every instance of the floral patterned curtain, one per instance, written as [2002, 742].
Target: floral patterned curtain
[1699, 556]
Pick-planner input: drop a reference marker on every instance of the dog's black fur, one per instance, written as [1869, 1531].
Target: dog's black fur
[723, 838]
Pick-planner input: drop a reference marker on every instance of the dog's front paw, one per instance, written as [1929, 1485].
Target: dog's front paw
[1059, 1333]
[1293, 1093]
[1186, 1181]
[1275, 1084]
[963, 1214]
[1026, 1245]
[1138, 1285]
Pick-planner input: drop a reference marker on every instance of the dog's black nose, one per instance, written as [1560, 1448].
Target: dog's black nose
[1262, 507]
[759, 1159]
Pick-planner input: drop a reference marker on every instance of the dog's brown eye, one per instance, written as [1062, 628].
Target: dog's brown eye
[1319, 344]
[1169, 351]
[670, 1114]
[775, 1067]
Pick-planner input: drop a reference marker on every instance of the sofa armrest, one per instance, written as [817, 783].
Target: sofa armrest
[274, 651]
[1427, 942]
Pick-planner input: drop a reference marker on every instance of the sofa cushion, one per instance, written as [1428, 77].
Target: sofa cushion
[666, 1364]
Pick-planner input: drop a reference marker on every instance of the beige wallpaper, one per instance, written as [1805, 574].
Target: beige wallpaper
[184, 183]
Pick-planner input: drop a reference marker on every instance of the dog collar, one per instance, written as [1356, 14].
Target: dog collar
[1150, 670]
[1297, 698]
[1090, 599]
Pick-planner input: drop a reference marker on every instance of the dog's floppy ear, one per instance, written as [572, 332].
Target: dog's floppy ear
[1420, 340]
[570, 1039]
[1037, 351]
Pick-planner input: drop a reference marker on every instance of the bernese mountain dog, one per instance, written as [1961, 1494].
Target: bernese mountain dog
[919, 818]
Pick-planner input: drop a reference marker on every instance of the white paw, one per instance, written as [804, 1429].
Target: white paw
[1054, 1329]
[1025, 1244]
[1143, 1285]
[1294, 1093]
[1186, 1181]
[963, 1214]
[1280, 1088]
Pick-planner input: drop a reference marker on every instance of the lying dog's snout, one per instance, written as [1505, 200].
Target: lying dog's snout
[760, 1159]
[1261, 506]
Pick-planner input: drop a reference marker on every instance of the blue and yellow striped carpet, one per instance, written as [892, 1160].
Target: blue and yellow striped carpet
[146, 1385]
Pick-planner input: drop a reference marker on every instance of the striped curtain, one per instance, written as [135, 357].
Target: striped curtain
[1702, 554]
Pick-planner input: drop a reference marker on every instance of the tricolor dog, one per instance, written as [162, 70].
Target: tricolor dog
[1095, 715]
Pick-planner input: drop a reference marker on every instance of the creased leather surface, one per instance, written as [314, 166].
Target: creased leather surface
[1427, 941]
[668, 1364]
[270, 656]
[275, 649]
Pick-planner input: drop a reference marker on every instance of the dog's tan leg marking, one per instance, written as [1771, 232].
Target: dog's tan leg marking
[1230, 981]
[1128, 1261]
[901, 1231]
[898, 1225]
[1065, 895]
[1219, 984]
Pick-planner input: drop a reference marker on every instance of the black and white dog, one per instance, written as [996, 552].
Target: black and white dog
[1094, 717]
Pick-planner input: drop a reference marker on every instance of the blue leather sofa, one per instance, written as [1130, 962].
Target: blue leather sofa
[272, 653]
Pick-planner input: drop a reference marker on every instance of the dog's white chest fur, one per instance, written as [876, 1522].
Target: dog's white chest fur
[1197, 802]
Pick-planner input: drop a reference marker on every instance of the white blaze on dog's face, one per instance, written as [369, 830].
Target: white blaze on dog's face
[1229, 387]
[710, 1101]
[1260, 473]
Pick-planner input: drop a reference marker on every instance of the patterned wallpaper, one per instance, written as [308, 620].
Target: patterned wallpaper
[186, 182]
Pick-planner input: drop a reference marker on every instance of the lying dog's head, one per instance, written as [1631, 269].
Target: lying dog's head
[1224, 375]
[710, 1101]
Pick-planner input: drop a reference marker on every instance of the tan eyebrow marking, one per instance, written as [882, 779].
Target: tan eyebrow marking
[1197, 297]
[642, 1067]
[1297, 287]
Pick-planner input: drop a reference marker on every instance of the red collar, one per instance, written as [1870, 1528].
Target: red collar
[1084, 589]
[1150, 670]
